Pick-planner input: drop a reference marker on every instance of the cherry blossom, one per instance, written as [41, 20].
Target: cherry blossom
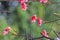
[24, 6]
[8, 29]
[43, 1]
[40, 21]
[4, 32]
[44, 33]
[33, 19]
[23, 1]
[26, 0]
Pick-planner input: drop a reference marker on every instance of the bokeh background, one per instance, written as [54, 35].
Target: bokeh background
[11, 14]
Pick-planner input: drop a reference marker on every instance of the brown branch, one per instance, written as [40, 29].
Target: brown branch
[36, 38]
[55, 2]
[57, 15]
[51, 28]
[42, 37]
[47, 37]
[55, 33]
[51, 21]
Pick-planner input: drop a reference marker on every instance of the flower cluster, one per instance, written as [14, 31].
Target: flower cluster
[34, 18]
[40, 22]
[6, 31]
[23, 4]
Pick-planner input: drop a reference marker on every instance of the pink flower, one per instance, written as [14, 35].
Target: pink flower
[8, 29]
[26, 0]
[5, 33]
[23, 1]
[43, 1]
[33, 19]
[24, 6]
[40, 21]
[44, 33]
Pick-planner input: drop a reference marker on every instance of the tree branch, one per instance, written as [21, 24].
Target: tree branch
[55, 33]
[42, 37]
[51, 21]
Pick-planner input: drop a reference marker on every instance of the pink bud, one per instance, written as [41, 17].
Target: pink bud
[8, 29]
[44, 33]
[24, 6]
[33, 19]
[4, 33]
[26, 0]
[43, 1]
[21, 1]
[40, 21]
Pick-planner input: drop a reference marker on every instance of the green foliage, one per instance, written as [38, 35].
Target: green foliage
[22, 21]
[3, 24]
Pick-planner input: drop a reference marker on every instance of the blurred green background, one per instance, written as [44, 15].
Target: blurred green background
[20, 21]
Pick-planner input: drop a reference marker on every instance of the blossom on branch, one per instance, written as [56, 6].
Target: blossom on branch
[40, 22]
[44, 33]
[24, 6]
[6, 31]
[33, 18]
[23, 1]
[26, 0]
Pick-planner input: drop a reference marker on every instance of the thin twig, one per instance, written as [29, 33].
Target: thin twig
[51, 21]
[57, 15]
[55, 33]
[47, 37]
[42, 37]
[50, 28]
[36, 38]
